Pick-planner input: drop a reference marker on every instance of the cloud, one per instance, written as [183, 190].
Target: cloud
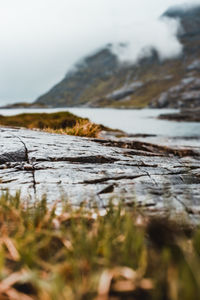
[41, 39]
[161, 34]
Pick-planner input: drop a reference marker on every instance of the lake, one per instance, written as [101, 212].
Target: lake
[142, 121]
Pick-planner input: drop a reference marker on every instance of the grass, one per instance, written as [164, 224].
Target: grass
[56, 120]
[60, 122]
[82, 128]
[85, 254]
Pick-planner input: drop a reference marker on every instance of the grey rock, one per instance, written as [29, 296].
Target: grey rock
[195, 65]
[157, 174]
[186, 81]
[186, 94]
[163, 100]
[125, 91]
[192, 95]
[185, 115]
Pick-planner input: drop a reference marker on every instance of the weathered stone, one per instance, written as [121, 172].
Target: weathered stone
[163, 100]
[126, 90]
[192, 95]
[195, 65]
[185, 115]
[186, 94]
[156, 175]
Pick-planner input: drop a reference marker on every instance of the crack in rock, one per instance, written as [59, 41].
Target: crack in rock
[150, 177]
[148, 147]
[13, 156]
[104, 179]
[29, 167]
[97, 159]
[34, 181]
[25, 148]
[107, 190]
[6, 181]
[186, 208]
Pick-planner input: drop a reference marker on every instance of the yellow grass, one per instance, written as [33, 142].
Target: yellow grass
[82, 128]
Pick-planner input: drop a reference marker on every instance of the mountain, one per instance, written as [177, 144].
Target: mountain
[101, 80]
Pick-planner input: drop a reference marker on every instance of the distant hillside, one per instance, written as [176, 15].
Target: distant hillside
[100, 80]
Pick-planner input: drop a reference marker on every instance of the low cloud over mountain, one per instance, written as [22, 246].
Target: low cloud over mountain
[155, 78]
[42, 39]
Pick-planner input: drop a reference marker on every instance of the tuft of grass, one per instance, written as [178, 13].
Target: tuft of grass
[82, 128]
[60, 122]
[90, 254]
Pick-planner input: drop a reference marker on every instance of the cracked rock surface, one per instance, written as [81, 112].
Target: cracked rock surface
[156, 174]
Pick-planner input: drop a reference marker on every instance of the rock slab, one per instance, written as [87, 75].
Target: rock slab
[157, 176]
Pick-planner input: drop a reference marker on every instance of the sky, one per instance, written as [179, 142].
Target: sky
[40, 40]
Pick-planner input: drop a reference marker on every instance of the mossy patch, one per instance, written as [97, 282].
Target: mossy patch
[41, 120]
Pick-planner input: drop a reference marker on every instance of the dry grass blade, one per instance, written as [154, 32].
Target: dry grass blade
[105, 283]
[15, 295]
[11, 248]
[67, 244]
[146, 284]
[12, 279]
[121, 280]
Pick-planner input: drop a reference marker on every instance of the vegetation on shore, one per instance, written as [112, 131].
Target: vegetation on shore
[90, 254]
[56, 120]
[59, 122]
[82, 128]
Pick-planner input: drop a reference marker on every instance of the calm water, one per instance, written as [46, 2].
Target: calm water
[131, 121]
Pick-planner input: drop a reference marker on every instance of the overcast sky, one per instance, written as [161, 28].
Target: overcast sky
[41, 39]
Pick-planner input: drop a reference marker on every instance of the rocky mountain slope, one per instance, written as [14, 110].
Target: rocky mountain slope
[100, 80]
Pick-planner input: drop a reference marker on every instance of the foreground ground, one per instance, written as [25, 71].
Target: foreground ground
[86, 254]
[157, 173]
[135, 234]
